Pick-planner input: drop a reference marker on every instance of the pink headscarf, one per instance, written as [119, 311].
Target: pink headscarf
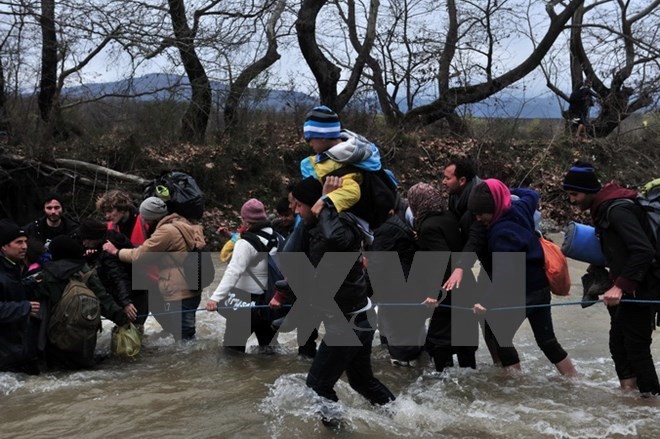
[501, 197]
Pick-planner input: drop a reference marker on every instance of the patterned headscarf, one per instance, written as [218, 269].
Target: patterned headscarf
[423, 199]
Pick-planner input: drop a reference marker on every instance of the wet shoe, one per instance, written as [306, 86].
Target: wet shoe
[403, 363]
[307, 351]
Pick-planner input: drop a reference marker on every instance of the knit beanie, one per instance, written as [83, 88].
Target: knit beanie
[481, 200]
[9, 231]
[322, 123]
[253, 211]
[65, 247]
[153, 209]
[582, 178]
[308, 191]
[92, 229]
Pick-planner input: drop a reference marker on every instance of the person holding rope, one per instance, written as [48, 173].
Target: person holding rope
[510, 228]
[624, 238]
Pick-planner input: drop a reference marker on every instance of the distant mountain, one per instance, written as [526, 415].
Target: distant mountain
[160, 87]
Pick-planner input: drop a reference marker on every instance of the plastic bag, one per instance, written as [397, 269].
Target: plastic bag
[126, 341]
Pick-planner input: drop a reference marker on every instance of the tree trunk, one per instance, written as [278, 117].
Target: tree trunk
[238, 88]
[4, 114]
[48, 80]
[326, 73]
[196, 118]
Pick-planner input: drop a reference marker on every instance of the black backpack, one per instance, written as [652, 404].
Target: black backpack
[378, 195]
[180, 192]
[275, 240]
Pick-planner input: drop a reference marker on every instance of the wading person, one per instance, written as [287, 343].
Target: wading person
[333, 232]
[174, 308]
[18, 312]
[624, 233]
[510, 228]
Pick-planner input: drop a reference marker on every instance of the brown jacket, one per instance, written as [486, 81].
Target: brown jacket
[168, 237]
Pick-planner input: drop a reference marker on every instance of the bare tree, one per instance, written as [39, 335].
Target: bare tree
[615, 45]
[249, 73]
[325, 70]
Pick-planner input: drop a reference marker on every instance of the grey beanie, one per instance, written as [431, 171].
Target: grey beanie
[153, 208]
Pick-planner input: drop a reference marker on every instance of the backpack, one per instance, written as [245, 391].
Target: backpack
[275, 240]
[198, 264]
[556, 268]
[77, 316]
[378, 195]
[180, 192]
[649, 200]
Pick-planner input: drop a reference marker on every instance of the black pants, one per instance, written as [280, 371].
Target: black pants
[438, 343]
[631, 325]
[237, 332]
[332, 361]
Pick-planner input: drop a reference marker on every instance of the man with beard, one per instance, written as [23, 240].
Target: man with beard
[625, 238]
[54, 223]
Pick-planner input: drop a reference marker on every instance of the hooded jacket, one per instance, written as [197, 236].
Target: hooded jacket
[473, 233]
[624, 238]
[173, 234]
[514, 232]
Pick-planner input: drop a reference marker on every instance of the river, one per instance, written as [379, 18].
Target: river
[199, 391]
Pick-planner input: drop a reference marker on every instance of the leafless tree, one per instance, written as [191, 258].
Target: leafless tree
[614, 43]
[320, 58]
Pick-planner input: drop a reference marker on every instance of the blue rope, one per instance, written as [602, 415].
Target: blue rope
[441, 305]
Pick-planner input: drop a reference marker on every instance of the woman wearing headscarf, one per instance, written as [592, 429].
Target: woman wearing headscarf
[437, 230]
[510, 228]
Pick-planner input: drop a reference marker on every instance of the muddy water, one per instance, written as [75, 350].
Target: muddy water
[198, 391]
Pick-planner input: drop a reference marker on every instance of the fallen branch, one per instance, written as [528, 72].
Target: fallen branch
[97, 169]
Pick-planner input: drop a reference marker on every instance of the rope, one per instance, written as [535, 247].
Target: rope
[415, 304]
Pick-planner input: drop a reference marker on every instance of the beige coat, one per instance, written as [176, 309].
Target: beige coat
[169, 238]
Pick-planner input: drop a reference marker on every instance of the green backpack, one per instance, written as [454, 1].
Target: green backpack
[77, 316]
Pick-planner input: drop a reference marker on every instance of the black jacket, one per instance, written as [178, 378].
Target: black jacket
[396, 235]
[622, 228]
[18, 331]
[114, 274]
[438, 231]
[338, 233]
[39, 229]
[473, 234]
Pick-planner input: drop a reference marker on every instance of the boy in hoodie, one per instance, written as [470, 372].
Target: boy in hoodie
[335, 148]
[67, 261]
[624, 237]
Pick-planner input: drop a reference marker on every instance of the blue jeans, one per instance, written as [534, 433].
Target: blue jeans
[331, 362]
[177, 317]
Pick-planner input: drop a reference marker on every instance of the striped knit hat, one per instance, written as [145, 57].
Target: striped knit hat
[322, 123]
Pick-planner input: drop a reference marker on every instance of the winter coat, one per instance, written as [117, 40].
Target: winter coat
[354, 150]
[624, 237]
[173, 234]
[514, 232]
[336, 232]
[114, 274]
[244, 261]
[473, 233]
[56, 276]
[39, 229]
[18, 331]
[396, 235]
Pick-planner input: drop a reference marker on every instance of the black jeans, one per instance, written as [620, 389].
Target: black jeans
[540, 319]
[631, 325]
[331, 362]
[438, 342]
[237, 332]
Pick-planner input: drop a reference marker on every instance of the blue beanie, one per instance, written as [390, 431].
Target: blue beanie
[322, 123]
